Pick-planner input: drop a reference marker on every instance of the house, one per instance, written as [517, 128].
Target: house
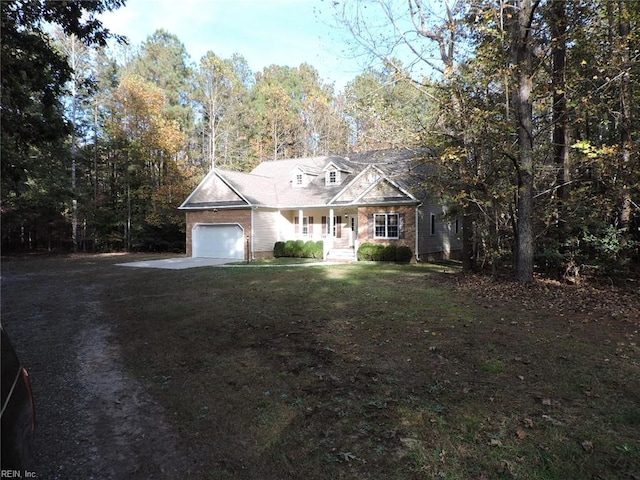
[345, 201]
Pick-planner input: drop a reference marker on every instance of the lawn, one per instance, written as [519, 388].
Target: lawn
[382, 371]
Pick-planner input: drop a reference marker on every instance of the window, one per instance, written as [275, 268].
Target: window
[337, 226]
[386, 225]
[299, 179]
[307, 225]
[332, 177]
[432, 228]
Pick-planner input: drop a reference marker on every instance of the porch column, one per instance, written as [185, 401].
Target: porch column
[331, 222]
[300, 223]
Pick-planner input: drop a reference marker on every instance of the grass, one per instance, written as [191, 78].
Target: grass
[377, 371]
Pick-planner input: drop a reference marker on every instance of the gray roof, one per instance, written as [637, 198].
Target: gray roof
[271, 182]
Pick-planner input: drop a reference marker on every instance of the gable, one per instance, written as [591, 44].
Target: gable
[301, 176]
[213, 191]
[359, 186]
[372, 186]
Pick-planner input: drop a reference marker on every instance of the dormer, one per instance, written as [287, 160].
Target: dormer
[302, 176]
[334, 174]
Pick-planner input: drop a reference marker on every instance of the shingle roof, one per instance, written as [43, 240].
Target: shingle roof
[270, 183]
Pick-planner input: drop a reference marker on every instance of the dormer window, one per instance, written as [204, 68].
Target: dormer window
[332, 177]
[301, 177]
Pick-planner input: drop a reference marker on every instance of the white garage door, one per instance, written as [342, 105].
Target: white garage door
[218, 241]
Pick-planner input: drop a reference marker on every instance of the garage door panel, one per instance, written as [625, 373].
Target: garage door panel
[218, 241]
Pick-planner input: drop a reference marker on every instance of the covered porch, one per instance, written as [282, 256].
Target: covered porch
[336, 227]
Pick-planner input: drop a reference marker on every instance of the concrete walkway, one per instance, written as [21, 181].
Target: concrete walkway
[179, 263]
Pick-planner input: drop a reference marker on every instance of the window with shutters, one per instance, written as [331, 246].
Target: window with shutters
[386, 225]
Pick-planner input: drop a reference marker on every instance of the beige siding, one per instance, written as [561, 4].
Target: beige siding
[444, 240]
[266, 231]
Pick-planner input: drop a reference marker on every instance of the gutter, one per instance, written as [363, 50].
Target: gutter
[417, 236]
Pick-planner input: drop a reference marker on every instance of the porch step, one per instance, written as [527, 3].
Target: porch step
[341, 255]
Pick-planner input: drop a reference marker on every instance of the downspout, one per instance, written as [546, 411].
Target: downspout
[251, 253]
[417, 254]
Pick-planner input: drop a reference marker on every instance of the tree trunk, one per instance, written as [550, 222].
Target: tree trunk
[522, 46]
[626, 99]
[558, 23]
[468, 258]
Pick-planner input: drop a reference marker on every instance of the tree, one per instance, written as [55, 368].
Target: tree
[220, 92]
[164, 61]
[289, 111]
[436, 39]
[79, 58]
[522, 45]
[385, 110]
[149, 142]
[34, 76]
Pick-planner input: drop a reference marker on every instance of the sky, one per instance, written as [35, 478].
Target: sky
[264, 32]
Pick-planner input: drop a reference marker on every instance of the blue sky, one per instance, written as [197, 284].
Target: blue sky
[265, 32]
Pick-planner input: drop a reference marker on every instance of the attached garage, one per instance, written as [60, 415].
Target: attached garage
[218, 240]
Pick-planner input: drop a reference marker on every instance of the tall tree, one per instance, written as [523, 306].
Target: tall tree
[385, 110]
[522, 46]
[164, 61]
[149, 143]
[34, 76]
[219, 91]
[79, 58]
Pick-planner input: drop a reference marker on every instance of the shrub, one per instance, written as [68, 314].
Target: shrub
[298, 248]
[389, 253]
[310, 249]
[404, 254]
[278, 249]
[289, 248]
[371, 252]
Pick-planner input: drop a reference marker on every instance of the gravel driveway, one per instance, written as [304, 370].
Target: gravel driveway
[94, 421]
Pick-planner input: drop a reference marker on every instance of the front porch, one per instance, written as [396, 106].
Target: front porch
[337, 228]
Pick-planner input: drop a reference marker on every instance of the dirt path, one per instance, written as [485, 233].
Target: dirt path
[94, 421]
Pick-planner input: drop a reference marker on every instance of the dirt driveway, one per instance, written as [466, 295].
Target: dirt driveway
[94, 421]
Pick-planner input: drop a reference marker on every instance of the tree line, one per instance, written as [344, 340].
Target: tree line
[527, 104]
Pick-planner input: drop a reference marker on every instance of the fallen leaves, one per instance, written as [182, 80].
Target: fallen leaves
[583, 303]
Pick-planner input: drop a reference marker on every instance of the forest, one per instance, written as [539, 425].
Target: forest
[528, 105]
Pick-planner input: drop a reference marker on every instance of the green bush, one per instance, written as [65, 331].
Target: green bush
[318, 249]
[278, 250]
[312, 249]
[289, 248]
[370, 252]
[404, 254]
[298, 248]
[390, 253]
